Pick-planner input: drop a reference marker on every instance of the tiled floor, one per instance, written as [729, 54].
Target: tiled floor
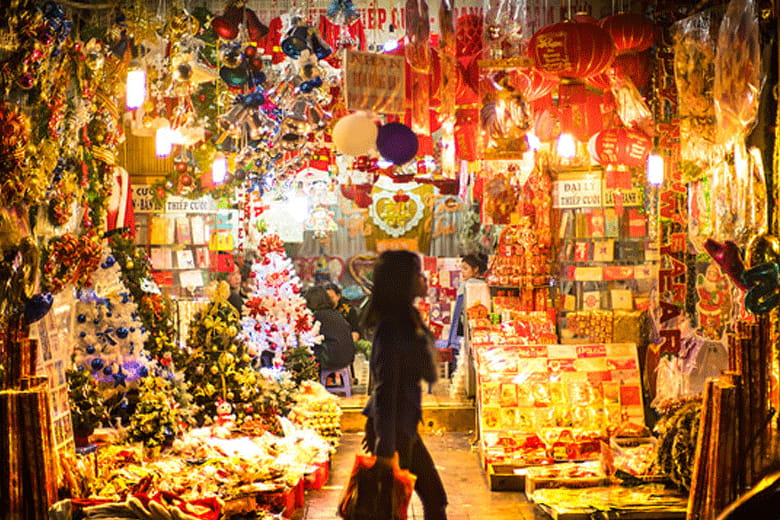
[466, 484]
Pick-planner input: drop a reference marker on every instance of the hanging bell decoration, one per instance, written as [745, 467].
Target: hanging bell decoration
[318, 46]
[296, 40]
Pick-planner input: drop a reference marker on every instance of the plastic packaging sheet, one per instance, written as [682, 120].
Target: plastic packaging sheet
[738, 78]
[695, 48]
[505, 21]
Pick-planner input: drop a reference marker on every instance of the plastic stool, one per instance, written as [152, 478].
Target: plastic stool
[346, 381]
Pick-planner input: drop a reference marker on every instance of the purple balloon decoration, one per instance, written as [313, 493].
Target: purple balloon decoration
[397, 143]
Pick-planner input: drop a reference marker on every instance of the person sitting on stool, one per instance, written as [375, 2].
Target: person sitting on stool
[337, 349]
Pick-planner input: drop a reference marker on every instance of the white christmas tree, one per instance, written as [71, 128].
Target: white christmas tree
[276, 317]
[109, 333]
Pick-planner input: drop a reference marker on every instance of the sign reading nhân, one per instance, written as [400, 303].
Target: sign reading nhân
[374, 82]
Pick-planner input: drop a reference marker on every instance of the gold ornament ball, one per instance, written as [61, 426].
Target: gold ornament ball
[230, 396]
[94, 61]
[233, 348]
[129, 264]
[245, 358]
[761, 249]
[214, 370]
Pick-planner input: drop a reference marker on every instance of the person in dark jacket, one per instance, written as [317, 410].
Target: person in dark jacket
[343, 306]
[337, 349]
[402, 356]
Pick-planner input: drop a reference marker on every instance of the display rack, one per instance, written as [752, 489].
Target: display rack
[605, 257]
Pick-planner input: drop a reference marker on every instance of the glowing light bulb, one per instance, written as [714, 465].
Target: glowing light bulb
[219, 168]
[163, 141]
[136, 85]
[390, 45]
[567, 146]
[533, 142]
[655, 169]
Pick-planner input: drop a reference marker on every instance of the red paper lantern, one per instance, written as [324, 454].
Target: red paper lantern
[468, 35]
[572, 50]
[635, 65]
[585, 18]
[601, 81]
[532, 82]
[583, 112]
[631, 32]
[620, 146]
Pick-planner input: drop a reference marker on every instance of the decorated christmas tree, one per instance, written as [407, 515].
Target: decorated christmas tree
[157, 419]
[277, 320]
[109, 332]
[220, 364]
[167, 358]
[154, 308]
[86, 403]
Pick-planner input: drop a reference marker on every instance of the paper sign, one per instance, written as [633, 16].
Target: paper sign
[374, 82]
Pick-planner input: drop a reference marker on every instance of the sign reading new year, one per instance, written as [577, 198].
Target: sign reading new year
[374, 82]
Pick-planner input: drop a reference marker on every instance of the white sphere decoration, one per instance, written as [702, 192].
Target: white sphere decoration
[355, 134]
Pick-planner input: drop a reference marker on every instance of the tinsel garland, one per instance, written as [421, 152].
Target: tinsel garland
[678, 430]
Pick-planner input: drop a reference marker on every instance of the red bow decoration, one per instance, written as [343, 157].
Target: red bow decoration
[400, 197]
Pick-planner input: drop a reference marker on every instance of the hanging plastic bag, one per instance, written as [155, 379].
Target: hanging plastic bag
[376, 492]
[694, 73]
[738, 78]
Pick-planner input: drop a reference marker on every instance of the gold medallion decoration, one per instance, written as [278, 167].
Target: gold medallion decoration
[396, 213]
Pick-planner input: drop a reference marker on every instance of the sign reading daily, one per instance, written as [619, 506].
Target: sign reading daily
[591, 193]
[577, 193]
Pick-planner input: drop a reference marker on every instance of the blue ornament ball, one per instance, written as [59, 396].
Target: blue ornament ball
[96, 321]
[109, 314]
[132, 329]
[143, 372]
[122, 332]
[97, 364]
[82, 334]
[90, 349]
[108, 371]
[82, 318]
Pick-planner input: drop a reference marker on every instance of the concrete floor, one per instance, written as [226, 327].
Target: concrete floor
[469, 495]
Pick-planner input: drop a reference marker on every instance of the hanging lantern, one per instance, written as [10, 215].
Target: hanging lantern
[532, 82]
[572, 50]
[620, 146]
[163, 140]
[355, 134]
[219, 168]
[397, 142]
[583, 17]
[136, 85]
[631, 32]
[655, 169]
[635, 65]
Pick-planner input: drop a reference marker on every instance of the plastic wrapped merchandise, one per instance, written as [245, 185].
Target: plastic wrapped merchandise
[694, 73]
[738, 77]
